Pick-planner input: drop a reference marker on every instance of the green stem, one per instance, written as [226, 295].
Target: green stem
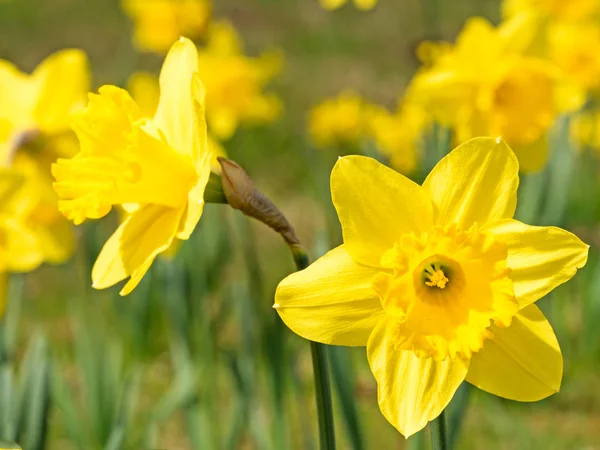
[438, 433]
[321, 372]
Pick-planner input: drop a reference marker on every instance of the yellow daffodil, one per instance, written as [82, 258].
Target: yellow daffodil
[235, 82]
[364, 5]
[161, 163]
[158, 23]
[341, 120]
[438, 282]
[485, 86]
[398, 135]
[34, 130]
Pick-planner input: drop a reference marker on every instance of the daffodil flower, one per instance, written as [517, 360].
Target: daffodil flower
[438, 282]
[340, 120]
[486, 85]
[235, 82]
[35, 110]
[162, 164]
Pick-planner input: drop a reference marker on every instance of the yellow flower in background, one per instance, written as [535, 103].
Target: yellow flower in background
[485, 86]
[341, 120]
[438, 282]
[398, 135]
[159, 23]
[552, 9]
[575, 50]
[364, 5]
[161, 163]
[34, 130]
[145, 91]
[235, 82]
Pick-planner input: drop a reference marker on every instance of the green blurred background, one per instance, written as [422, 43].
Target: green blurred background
[195, 357]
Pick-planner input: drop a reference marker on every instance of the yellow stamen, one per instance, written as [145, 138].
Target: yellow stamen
[436, 278]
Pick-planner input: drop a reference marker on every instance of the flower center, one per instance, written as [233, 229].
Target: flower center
[444, 289]
[435, 276]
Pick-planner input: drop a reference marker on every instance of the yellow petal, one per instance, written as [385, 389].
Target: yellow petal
[18, 95]
[411, 391]
[223, 122]
[144, 89]
[132, 248]
[63, 79]
[540, 258]
[203, 161]
[11, 182]
[522, 362]
[331, 301]
[376, 205]
[175, 113]
[476, 182]
[109, 267]
[56, 240]
[21, 250]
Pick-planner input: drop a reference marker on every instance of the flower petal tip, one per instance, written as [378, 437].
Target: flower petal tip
[276, 306]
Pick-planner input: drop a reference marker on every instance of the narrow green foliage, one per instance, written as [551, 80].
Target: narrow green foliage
[343, 381]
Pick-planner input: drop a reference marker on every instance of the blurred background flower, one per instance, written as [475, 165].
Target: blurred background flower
[159, 23]
[35, 112]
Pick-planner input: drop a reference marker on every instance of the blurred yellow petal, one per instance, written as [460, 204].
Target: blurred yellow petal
[63, 80]
[145, 91]
[56, 240]
[18, 96]
[475, 183]
[331, 301]
[540, 258]
[376, 206]
[223, 122]
[224, 38]
[175, 115]
[522, 362]
[411, 391]
[520, 32]
[132, 248]
[11, 182]
[21, 250]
